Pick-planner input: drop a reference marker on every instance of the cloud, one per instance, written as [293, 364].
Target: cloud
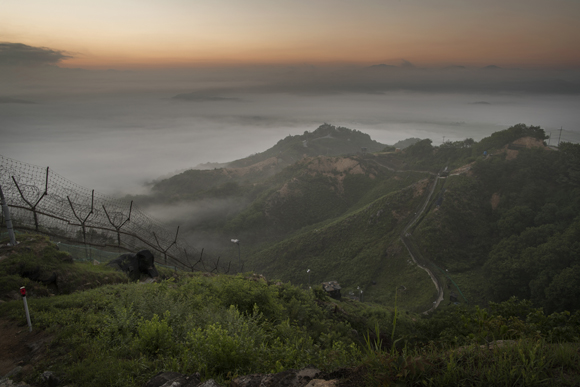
[18, 54]
[239, 84]
[193, 213]
[15, 100]
[201, 97]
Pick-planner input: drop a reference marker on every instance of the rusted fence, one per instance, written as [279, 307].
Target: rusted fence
[45, 202]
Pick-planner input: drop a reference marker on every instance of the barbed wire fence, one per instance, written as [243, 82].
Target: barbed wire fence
[559, 135]
[45, 202]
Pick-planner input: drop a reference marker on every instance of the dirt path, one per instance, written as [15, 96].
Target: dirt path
[401, 170]
[438, 286]
[405, 238]
[19, 347]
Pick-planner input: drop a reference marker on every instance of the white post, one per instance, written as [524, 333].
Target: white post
[23, 292]
[237, 242]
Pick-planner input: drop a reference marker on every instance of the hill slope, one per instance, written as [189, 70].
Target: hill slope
[326, 140]
[504, 197]
[222, 327]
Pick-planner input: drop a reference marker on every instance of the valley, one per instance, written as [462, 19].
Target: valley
[354, 218]
[468, 250]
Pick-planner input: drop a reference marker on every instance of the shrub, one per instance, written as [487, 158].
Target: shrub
[155, 336]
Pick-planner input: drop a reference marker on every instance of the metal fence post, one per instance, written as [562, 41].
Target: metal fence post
[6, 213]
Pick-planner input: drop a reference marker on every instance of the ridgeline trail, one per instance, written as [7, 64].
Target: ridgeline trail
[417, 256]
[403, 170]
[406, 238]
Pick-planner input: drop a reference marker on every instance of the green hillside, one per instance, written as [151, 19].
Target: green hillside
[326, 140]
[360, 249]
[501, 220]
[223, 327]
[499, 232]
[516, 223]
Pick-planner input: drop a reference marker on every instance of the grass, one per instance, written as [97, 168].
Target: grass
[525, 362]
[221, 327]
[356, 249]
[226, 326]
[37, 257]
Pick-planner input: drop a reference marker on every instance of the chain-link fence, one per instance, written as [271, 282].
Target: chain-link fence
[45, 202]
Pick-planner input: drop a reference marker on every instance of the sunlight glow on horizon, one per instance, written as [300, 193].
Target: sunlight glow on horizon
[178, 33]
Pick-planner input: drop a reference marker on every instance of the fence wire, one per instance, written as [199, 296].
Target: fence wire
[45, 202]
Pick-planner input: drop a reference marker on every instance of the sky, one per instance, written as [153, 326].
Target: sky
[115, 94]
[180, 33]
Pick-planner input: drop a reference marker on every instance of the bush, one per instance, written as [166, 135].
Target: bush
[154, 336]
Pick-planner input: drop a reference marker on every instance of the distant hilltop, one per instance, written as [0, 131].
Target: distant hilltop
[326, 140]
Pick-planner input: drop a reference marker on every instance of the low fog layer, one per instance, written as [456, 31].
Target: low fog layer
[116, 130]
[192, 214]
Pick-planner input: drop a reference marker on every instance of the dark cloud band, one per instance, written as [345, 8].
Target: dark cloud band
[18, 54]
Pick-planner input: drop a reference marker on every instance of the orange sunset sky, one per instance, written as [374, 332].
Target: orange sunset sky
[180, 33]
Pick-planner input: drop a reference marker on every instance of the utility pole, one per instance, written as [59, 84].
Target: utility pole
[560, 137]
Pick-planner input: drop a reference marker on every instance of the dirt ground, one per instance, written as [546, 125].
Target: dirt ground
[19, 347]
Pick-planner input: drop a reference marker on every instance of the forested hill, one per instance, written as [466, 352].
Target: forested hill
[511, 225]
[326, 140]
[502, 221]
[494, 221]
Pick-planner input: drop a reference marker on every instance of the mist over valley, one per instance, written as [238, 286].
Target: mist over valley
[335, 193]
[146, 125]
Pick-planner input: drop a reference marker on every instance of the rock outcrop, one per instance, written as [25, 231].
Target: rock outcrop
[306, 377]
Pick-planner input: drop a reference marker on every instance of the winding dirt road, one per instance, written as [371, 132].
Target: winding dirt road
[406, 237]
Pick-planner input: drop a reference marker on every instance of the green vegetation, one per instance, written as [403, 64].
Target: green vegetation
[327, 140]
[357, 249]
[406, 143]
[504, 137]
[227, 326]
[527, 243]
[505, 225]
[36, 257]
[341, 217]
[221, 326]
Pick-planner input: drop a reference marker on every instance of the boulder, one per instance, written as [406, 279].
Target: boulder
[134, 265]
[174, 379]
[49, 379]
[322, 383]
[288, 378]
[209, 383]
[306, 377]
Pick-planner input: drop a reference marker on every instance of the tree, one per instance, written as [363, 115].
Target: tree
[515, 220]
[420, 149]
[563, 293]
